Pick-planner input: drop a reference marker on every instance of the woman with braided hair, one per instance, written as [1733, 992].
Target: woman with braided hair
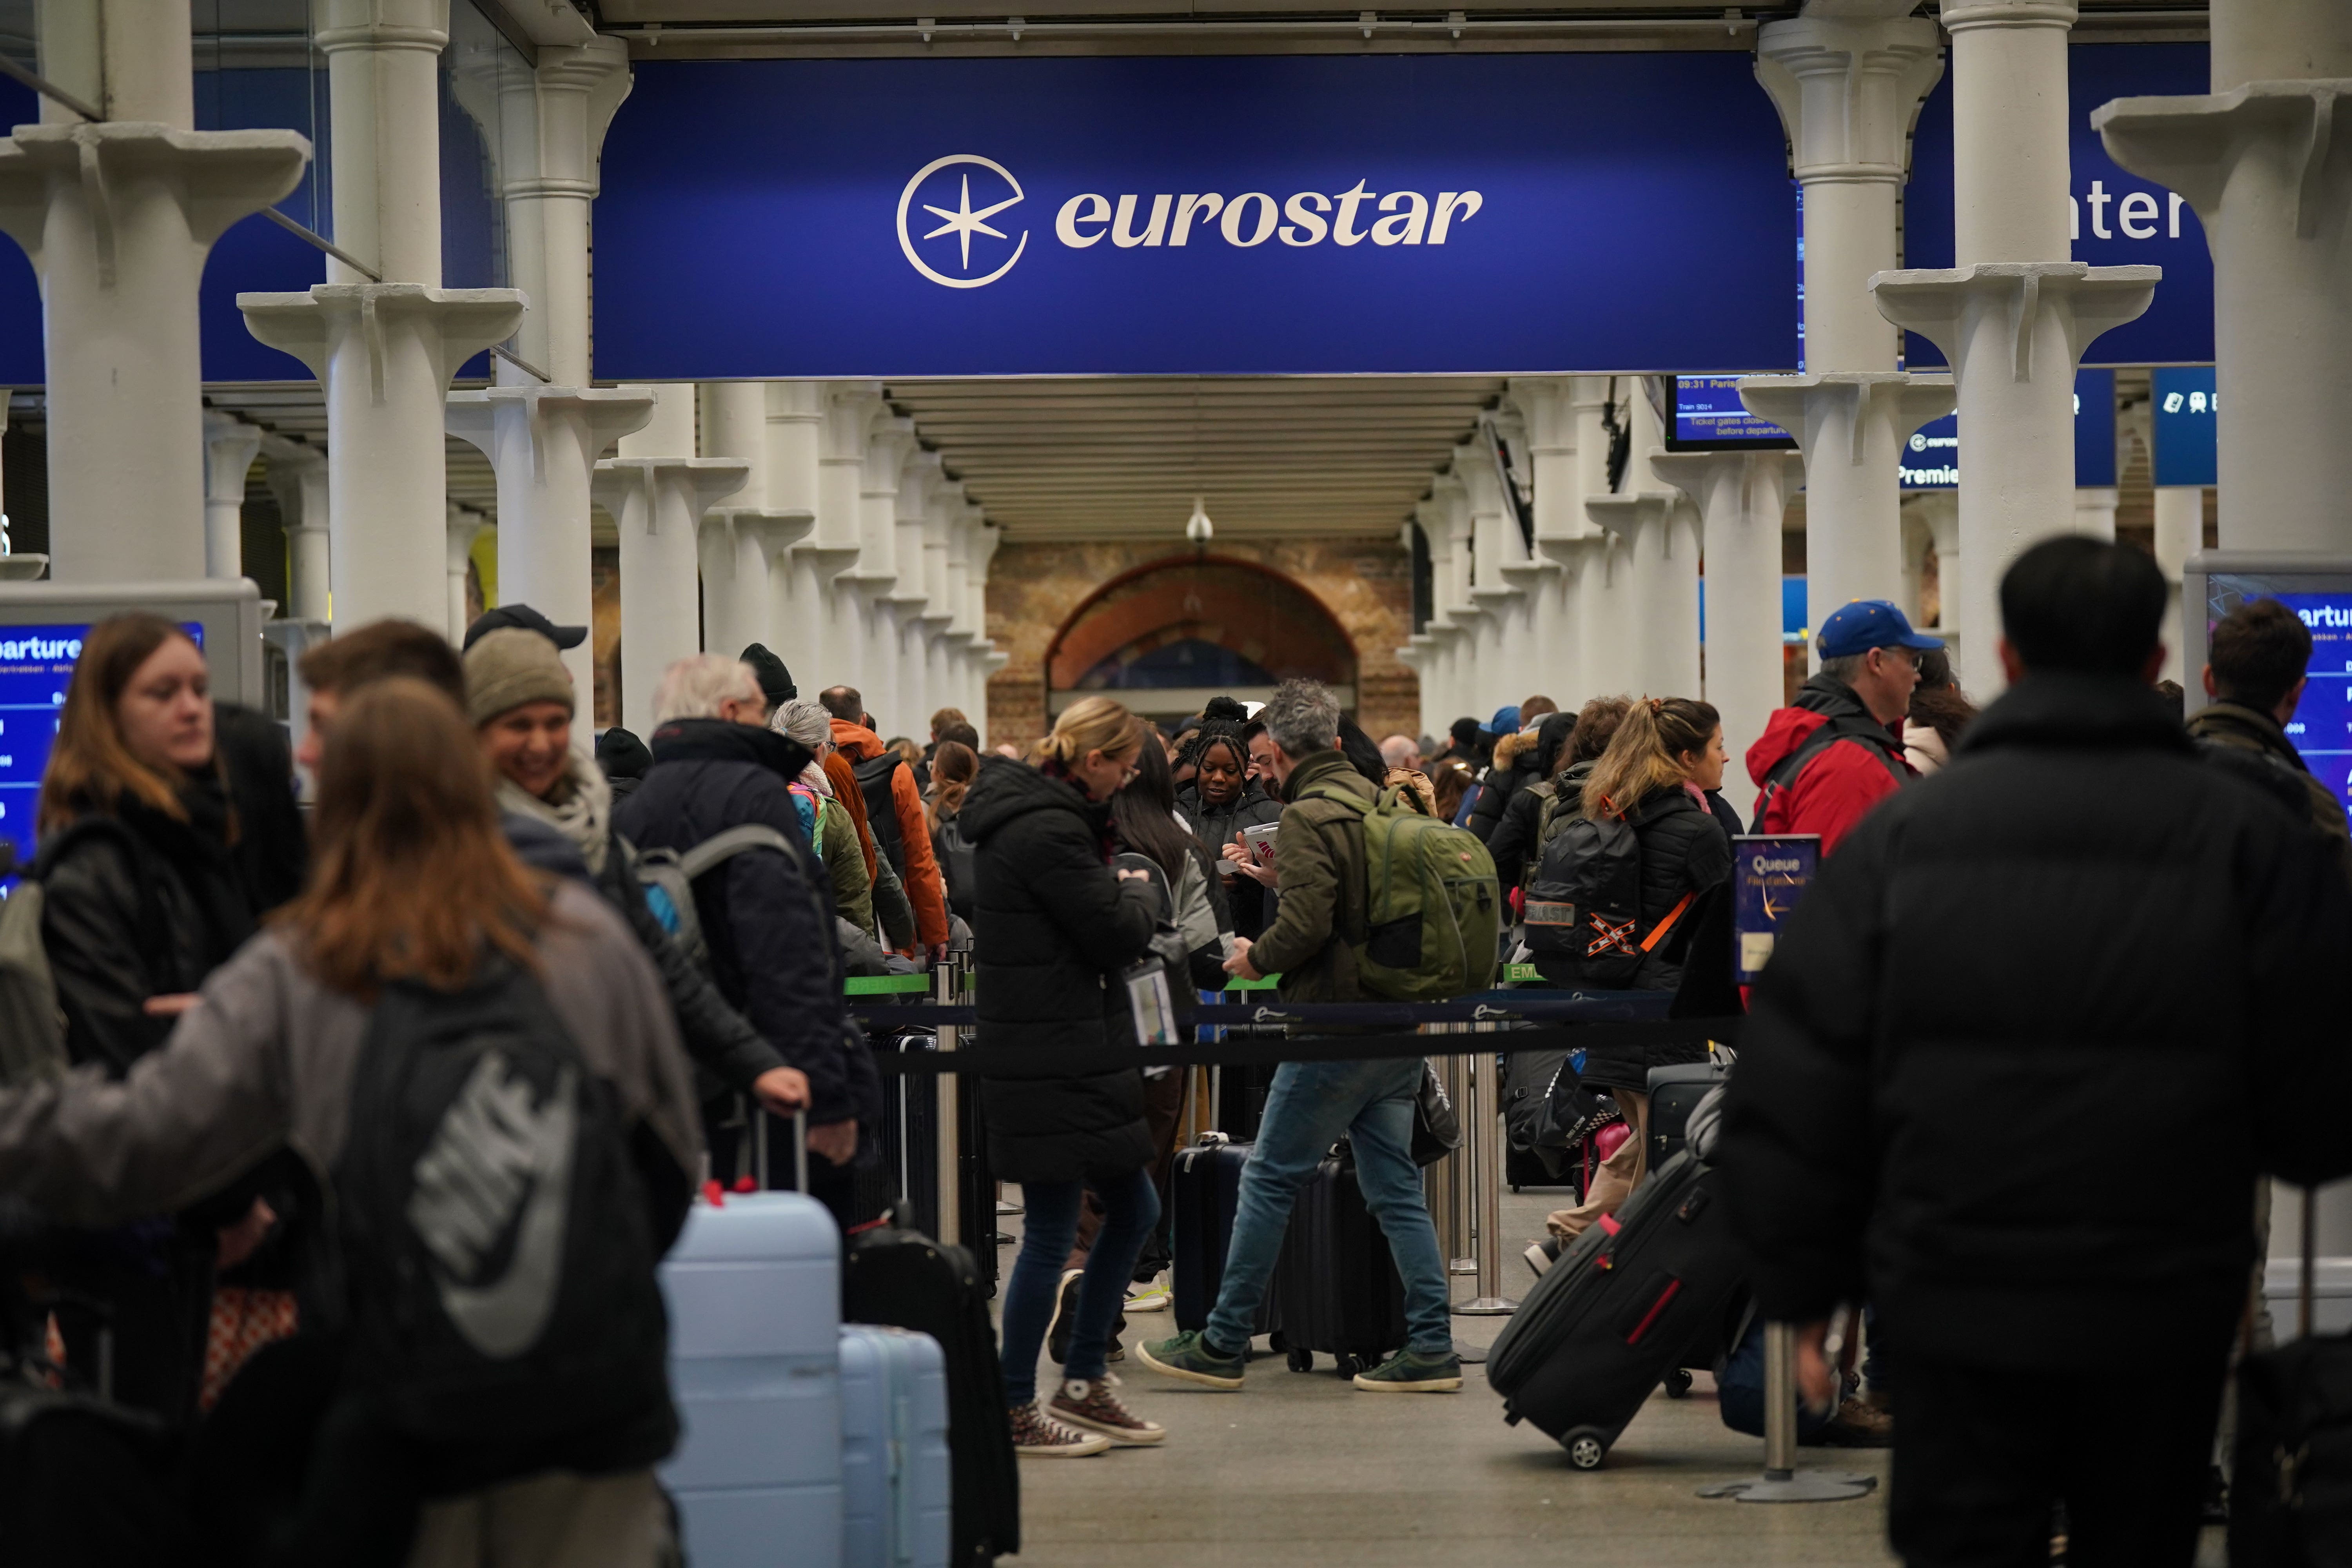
[1220, 801]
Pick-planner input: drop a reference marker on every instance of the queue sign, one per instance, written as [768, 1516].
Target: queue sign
[1769, 872]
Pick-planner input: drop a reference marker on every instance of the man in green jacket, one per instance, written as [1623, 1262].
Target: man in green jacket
[1319, 867]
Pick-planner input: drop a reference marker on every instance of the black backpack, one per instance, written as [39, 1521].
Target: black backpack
[497, 1254]
[1584, 902]
[881, 810]
[958, 860]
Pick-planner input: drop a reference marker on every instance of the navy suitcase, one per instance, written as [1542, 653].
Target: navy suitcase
[1335, 1277]
[1203, 1189]
[1615, 1316]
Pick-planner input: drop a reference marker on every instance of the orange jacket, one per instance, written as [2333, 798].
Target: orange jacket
[925, 890]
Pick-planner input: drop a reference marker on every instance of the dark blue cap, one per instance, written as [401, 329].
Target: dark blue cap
[1867, 624]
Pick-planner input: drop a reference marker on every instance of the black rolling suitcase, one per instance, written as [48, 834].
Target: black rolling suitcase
[2291, 1487]
[1610, 1321]
[1336, 1279]
[910, 1154]
[1675, 1093]
[901, 1278]
[1203, 1189]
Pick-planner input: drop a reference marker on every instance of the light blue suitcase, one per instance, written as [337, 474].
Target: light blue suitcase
[897, 1497]
[754, 1294]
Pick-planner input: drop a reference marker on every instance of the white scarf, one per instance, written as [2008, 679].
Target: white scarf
[582, 810]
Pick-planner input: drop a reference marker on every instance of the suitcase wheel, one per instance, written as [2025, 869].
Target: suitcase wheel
[1586, 1446]
[1304, 1360]
[1678, 1383]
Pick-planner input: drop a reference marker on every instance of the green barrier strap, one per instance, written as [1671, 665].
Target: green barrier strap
[884, 984]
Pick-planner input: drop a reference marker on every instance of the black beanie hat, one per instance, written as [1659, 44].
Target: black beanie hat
[622, 755]
[1466, 734]
[775, 680]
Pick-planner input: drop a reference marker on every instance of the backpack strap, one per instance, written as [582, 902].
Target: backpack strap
[1659, 934]
[724, 847]
[1872, 736]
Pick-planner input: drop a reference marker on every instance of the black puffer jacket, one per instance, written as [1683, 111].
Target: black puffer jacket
[768, 917]
[139, 904]
[1519, 761]
[1513, 842]
[1055, 928]
[1214, 827]
[1684, 853]
[2013, 998]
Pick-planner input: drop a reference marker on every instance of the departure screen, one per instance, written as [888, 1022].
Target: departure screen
[35, 663]
[1709, 416]
[2322, 726]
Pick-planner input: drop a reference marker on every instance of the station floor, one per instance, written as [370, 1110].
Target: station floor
[1299, 1470]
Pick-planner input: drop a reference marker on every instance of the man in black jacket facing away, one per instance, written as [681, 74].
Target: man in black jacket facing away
[2012, 999]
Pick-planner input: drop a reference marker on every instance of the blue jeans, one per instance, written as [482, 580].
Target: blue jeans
[1311, 1105]
[1130, 1208]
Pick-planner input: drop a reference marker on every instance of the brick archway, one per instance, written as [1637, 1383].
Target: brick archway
[1260, 615]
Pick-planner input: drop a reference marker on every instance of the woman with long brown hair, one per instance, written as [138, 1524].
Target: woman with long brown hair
[413, 882]
[1666, 755]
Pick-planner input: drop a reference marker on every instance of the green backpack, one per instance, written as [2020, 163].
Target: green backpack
[1432, 908]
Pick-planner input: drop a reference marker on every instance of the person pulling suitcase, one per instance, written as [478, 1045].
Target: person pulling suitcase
[1321, 868]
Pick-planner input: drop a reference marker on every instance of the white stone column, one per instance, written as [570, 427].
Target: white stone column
[790, 487]
[117, 219]
[657, 493]
[910, 600]
[1850, 426]
[1563, 534]
[1457, 606]
[465, 526]
[1657, 592]
[942, 613]
[296, 476]
[1848, 80]
[552, 122]
[833, 547]
[1507, 636]
[1740, 497]
[384, 352]
[988, 659]
[230, 447]
[543, 442]
[867, 589]
[2094, 510]
[2266, 161]
[2014, 316]
[742, 548]
[2180, 535]
[1427, 651]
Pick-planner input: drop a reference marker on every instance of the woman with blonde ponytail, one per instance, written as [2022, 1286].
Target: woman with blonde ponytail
[1054, 930]
[1654, 777]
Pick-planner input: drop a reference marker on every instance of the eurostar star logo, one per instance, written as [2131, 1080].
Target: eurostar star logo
[963, 220]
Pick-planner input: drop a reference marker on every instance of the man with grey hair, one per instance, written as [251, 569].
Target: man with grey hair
[1401, 752]
[1319, 865]
[1823, 762]
[767, 912]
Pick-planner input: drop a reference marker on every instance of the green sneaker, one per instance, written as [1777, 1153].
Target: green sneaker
[1192, 1357]
[1412, 1372]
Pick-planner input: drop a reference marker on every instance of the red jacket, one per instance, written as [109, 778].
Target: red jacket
[1839, 786]
[925, 890]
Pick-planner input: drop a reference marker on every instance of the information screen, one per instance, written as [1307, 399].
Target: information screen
[2322, 726]
[1709, 417]
[35, 664]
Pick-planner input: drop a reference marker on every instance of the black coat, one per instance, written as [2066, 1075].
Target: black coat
[1685, 852]
[1055, 928]
[2023, 997]
[139, 904]
[768, 918]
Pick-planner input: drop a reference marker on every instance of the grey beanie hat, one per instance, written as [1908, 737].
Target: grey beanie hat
[510, 666]
[804, 721]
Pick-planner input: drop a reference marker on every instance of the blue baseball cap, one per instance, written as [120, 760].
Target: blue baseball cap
[1506, 721]
[1867, 624]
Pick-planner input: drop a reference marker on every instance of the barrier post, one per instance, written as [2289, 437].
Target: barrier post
[1482, 1122]
[947, 990]
[1442, 1184]
[1781, 1480]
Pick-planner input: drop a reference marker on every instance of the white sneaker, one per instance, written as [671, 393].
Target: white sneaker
[1151, 1298]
